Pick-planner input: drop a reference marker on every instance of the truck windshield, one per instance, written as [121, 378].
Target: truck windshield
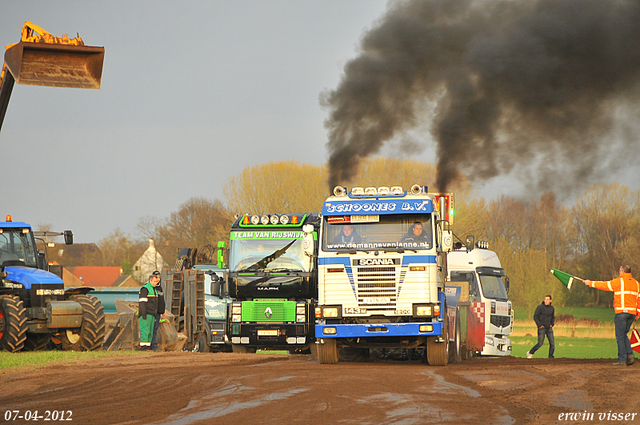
[17, 245]
[215, 308]
[249, 252]
[493, 287]
[373, 232]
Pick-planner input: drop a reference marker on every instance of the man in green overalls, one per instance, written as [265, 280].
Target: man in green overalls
[149, 304]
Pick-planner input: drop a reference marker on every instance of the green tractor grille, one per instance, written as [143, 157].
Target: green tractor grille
[269, 311]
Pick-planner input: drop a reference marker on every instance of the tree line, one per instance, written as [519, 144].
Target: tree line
[590, 239]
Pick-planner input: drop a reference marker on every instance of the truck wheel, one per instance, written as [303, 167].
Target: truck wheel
[13, 323]
[201, 344]
[36, 342]
[242, 349]
[90, 336]
[328, 352]
[438, 352]
[455, 355]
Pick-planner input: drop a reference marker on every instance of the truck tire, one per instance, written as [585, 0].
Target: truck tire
[37, 342]
[202, 345]
[13, 324]
[438, 352]
[455, 355]
[328, 352]
[90, 336]
[243, 349]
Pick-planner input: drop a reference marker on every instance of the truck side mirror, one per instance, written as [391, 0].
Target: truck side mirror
[447, 240]
[68, 237]
[216, 287]
[506, 283]
[308, 240]
[470, 242]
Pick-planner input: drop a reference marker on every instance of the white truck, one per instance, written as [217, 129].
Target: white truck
[483, 293]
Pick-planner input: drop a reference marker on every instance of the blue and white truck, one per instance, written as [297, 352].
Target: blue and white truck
[382, 271]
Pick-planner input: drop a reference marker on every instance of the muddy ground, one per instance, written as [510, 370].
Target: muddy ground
[209, 388]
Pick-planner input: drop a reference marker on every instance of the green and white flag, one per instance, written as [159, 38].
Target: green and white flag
[565, 278]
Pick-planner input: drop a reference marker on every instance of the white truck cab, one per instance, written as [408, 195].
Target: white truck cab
[487, 294]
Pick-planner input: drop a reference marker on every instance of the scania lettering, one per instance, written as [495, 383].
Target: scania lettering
[381, 273]
[273, 278]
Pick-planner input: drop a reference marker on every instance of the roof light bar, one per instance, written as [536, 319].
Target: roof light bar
[357, 191]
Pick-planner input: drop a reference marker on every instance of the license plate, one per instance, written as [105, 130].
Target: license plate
[267, 332]
[351, 310]
[376, 300]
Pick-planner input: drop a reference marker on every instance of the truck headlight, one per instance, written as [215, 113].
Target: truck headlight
[426, 328]
[330, 312]
[489, 341]
[300, 309]
[329, 331]
[300, 318]
[424, 311]
[236, 309]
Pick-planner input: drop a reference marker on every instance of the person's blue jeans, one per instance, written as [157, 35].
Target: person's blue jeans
[548, 332]
[623, 322]
[154, 339]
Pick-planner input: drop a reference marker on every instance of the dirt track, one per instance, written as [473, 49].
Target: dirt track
[190, 388]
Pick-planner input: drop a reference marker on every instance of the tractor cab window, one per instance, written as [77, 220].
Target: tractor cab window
[17, 247]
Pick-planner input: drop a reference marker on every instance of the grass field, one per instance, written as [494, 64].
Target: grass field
[590, 336]
[574, 348]
[589, 322]
[601, 314]
[41, 358]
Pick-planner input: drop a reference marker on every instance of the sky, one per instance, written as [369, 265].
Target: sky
[191, 94]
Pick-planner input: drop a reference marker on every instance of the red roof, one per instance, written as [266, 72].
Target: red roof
[95, 275]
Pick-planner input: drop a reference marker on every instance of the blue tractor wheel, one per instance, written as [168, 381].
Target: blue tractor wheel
[13, 323]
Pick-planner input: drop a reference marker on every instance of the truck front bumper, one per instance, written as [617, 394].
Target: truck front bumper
[369, 330]
[273, 336]
[496, 346]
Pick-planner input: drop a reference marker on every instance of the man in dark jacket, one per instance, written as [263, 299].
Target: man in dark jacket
[149, 306]
[160, 314]
[545, 319]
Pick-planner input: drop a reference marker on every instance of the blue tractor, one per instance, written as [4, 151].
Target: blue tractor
[35, 307]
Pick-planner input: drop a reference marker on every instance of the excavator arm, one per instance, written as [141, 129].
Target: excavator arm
[41, 59]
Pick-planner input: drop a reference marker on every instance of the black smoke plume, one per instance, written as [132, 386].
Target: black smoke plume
[547, 89]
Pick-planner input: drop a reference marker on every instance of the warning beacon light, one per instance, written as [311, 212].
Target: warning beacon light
[449, 208]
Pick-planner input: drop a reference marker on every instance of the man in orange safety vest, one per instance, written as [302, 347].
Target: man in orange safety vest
[625, 304]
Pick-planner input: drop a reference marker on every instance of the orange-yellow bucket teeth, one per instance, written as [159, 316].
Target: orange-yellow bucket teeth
[55, 65]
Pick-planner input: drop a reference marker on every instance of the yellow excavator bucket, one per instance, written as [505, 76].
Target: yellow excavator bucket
[55, 65]
[42, 59]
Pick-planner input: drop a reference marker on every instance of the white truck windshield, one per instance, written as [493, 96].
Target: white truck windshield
[375, 232]
[493, 287]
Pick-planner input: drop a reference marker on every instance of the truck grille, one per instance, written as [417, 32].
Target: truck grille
[278, 311]
[500, 321]
[376, 288]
